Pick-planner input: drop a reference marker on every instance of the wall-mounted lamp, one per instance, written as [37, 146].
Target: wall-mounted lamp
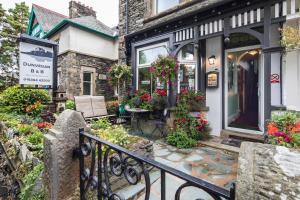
[212, 59]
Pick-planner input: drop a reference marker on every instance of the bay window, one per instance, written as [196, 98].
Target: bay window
[145, 57]
[187, 78]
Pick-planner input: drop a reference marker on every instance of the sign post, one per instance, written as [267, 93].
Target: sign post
[37, 62]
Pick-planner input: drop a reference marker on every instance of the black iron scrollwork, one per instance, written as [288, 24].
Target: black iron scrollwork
[100, 161]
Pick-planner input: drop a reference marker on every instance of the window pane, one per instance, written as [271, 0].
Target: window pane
[86, 76]
[86, 88]
[188, 52]
[187, 76]
[150, 55]
[166, 4]
[145, 80]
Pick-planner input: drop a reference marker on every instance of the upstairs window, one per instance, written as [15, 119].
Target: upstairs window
[162, 5]
[87, 83]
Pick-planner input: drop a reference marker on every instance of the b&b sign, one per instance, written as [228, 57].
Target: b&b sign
[36, 64]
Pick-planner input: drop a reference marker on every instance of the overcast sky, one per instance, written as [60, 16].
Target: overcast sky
[107, 10]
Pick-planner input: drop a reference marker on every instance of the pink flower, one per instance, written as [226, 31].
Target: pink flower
[169, 82]
[280, 134]
[288, 139]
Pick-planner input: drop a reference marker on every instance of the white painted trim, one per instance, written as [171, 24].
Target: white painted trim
[276, 10]
[284, 8]
[261, 88]
[147, 64]
[293, 6]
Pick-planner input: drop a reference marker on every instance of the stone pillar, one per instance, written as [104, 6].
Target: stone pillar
[61, 174]
[268, 172]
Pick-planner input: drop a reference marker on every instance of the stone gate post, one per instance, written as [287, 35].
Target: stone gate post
[61, 175]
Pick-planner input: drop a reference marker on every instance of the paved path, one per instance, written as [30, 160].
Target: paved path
[213, 165]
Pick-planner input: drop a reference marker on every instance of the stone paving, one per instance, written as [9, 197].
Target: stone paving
[213, 165]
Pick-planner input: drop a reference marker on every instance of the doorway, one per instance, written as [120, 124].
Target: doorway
[243, 89]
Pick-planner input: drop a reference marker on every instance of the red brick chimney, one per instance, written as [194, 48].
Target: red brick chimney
[77, 9]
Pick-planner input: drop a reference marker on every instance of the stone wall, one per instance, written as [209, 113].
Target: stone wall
[268, 172]
[72, 64]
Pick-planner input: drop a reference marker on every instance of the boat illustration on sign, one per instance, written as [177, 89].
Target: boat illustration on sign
[40, 54]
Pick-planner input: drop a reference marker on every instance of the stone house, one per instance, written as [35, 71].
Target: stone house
[229, 50]
[87, 48]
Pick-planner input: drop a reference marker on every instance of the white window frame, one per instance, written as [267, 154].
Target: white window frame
[140, 66]
[188, 62]
[91, 82]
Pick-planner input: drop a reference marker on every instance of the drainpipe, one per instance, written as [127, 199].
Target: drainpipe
[126, 17]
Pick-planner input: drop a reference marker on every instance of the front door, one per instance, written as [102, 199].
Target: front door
[242, 89]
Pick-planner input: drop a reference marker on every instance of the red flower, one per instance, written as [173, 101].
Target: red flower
[161, 92]
[200, 127]
[28, 109]
[272, 129]
[145, 97]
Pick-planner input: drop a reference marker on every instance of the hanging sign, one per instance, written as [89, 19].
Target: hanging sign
[36, 64]
[212, 79]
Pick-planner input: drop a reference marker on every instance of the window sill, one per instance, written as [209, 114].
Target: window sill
[171, 10]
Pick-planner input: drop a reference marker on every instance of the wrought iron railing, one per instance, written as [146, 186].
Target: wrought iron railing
[100, 160]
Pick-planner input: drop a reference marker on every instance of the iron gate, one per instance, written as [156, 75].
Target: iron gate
[105, 159]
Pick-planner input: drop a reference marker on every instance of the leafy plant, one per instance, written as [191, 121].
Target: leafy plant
[180, 139]
[25, 129]
[142, 99]
[284, 129]
[165, 68]
[29, 181]
[116, 134]
[101, 123]
[36, 139]
[70, 104]
[24, 101]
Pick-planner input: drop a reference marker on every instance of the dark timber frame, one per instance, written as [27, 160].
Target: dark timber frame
[166, 32]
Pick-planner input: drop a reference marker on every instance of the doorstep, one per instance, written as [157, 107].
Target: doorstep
[242, 136]
[215, 142]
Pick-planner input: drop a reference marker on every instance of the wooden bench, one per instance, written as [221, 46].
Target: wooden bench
[91, 107]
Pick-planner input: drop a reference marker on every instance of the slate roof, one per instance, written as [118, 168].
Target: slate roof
[93, 23]
[51, 22]
[47, 18]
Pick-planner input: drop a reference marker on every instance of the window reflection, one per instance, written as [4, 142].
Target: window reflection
[163, 5]
[187, 76]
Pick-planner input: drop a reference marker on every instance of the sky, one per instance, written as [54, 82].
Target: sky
[107, 10]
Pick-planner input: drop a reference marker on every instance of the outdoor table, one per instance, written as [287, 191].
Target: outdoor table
[136, 113]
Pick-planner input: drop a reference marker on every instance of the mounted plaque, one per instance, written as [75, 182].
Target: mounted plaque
[212, 79]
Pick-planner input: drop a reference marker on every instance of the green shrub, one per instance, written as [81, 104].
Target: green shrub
[101, 123]
[24, 101]
[70, 104]
[10, 119]
[180, 139]
[115, 134]
[36, 139]
[29, 181]
[25, 129]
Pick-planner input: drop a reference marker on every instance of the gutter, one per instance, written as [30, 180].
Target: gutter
[80, 26]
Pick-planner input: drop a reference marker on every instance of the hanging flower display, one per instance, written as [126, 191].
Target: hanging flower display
[165, 68]
[119, 74]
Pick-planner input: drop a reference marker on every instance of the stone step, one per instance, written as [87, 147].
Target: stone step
[134, 191]
[242, 136]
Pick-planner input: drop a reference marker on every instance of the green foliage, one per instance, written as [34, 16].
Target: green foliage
[284, 120]
[142, 99]
[119, 75]
[24, 101]
[35, 139]
[115, 134]
[180, 139]
[296, 141]
[10, 119]
[29, 181]
[25, 129]
[101, 123]
[165, 68]
[12, 22]
[70, 104]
